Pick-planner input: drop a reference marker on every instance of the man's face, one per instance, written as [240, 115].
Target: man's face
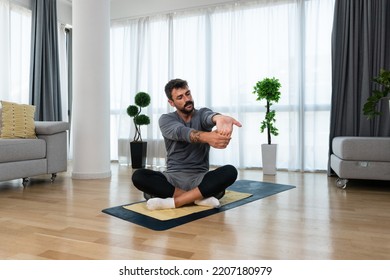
[182, 100]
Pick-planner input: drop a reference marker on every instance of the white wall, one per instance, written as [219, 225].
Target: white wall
[64, 11]
[23, 3]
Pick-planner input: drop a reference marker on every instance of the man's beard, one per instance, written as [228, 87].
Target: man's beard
[187, 111]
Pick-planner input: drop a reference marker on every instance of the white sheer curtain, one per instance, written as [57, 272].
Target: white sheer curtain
[139, 62]
[222, 52]
[15, 34]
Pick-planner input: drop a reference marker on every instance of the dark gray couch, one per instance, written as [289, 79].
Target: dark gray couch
[24, 158]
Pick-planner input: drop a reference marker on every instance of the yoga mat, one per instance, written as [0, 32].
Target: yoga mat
[240, 193]
[170, 214]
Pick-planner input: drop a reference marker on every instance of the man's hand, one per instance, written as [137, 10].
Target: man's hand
[213, 138]
[225, 124]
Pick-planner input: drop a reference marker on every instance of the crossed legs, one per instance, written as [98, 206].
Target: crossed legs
[168, 196]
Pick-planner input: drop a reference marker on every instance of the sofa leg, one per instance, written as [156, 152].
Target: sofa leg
[25, 181]
[341, 183]
[53, 177]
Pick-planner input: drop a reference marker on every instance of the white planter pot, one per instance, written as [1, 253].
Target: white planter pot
[268, 153]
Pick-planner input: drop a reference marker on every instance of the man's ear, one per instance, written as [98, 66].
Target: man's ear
[171, 102]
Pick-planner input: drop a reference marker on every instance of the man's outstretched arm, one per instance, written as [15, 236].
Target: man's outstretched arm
[213, 138]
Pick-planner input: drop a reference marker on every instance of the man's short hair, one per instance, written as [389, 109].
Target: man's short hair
[174, 84]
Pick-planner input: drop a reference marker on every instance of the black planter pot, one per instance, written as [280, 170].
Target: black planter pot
[138, 154]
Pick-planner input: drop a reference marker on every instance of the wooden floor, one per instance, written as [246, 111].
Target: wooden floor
[316, 220]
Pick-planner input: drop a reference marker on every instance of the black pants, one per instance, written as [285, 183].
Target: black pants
[156, 184]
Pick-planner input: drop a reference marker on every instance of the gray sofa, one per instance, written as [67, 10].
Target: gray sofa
[360, 158]
[47, 154]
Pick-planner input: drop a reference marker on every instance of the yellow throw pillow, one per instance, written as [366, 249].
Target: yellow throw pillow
[17, 120]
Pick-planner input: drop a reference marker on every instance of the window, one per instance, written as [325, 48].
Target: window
[15, 33]
[222, 52]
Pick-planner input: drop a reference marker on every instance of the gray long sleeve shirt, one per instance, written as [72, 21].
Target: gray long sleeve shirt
[186, 162]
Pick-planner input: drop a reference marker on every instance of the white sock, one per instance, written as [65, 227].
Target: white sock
[209, 201]
[160, 203]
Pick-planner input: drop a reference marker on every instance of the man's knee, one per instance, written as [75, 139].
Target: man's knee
[215, 182]
[138, 177]
[231, 173]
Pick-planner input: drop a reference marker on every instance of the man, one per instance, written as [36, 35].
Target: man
[188, 136]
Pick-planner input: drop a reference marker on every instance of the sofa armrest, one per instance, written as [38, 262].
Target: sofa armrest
[55, 135]
[50, 127]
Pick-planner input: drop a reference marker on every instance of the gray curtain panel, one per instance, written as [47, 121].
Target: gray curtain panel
[45, 90]
[360, 48]
[69, 53]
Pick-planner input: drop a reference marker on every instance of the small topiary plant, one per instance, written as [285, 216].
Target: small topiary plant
[141, 100]
[268, 89]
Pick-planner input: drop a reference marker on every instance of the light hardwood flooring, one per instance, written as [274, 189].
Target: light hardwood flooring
[316, 220]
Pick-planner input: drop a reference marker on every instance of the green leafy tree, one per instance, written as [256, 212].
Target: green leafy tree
[141, 100]
[383, 80]
[268, 89]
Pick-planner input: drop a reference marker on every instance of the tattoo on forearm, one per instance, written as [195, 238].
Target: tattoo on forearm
[195, 136]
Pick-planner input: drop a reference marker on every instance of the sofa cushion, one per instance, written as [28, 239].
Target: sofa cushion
[17, 120]
[22, 149]
[362, 148]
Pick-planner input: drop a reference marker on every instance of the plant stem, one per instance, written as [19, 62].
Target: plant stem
[136, 131]
[268, 129]
[137, 135]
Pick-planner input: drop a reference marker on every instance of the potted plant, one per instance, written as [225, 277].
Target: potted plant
[383, 79]
[268, 89]
[138, 147]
